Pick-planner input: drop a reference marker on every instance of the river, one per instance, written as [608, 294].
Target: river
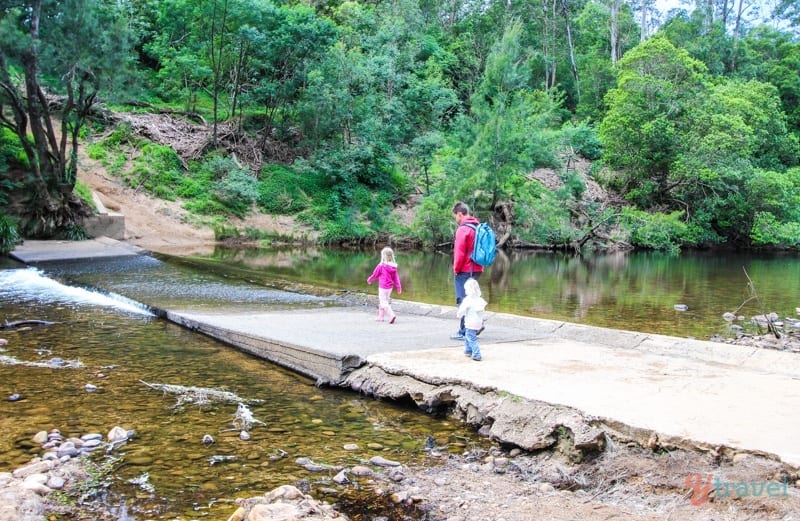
[106, 336]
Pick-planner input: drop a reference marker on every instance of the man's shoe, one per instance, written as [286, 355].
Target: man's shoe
[456, 336]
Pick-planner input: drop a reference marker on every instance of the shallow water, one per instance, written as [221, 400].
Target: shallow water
[105, 326]
[121, 348]
[634, 291]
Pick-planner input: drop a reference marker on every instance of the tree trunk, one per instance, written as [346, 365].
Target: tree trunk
[614, 18]
[574, 66]
[643, 36]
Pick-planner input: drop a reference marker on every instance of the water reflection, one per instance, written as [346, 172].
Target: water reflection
[624, 291]
[122, 350]
[122, 347]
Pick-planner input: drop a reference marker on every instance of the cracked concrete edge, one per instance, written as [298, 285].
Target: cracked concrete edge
[528, 424]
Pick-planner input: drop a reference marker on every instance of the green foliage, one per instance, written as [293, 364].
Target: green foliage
[237, 191]
[9, 236]
[85, 194]
[218, 186]
[769, 231]
[157, 169]
[76, 233]
[282, 191]
[583, 139]
[656, 231]
[11, 151]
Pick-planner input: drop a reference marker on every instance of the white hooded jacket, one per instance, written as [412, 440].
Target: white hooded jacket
[472, 307]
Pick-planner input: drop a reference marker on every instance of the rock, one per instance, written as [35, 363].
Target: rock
[361, 471]
[681, 307]
[284, 492]
[341, 478]
[383, 462]
[40, 437]
[90, 388]
[55, 482]
[207, 439]
[15, 397]
[67, 449]
[244, 436]
[274, 512]
[35, 467]
[117, 434]
[351, 447]
[239, 515]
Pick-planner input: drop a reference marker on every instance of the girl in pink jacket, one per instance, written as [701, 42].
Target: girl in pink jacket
[386, 275]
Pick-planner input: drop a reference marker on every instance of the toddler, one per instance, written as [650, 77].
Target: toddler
[386, 274]
[471, 308]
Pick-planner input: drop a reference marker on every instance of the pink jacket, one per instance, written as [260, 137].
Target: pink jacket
[462, 248]
[387, 277]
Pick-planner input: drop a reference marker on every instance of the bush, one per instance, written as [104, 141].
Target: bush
[282, 191]
[768, 231]
[656, 231]
[237, 191]
[85, 194]
[11, 151]
[9, 236]
[584, 140]
[158, 170]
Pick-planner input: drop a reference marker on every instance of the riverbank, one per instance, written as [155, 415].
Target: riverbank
[627, 482]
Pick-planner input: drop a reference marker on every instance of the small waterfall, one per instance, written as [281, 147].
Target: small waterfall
[31, 285]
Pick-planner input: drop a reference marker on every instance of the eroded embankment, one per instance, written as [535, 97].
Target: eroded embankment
[516, 421]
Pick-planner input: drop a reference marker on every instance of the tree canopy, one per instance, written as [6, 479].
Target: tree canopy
[349, 107]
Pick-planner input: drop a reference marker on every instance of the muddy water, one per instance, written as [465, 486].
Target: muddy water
[117, 345]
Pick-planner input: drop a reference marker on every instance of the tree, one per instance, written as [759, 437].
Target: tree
[71, 48]
[641, 130]
[788, 10]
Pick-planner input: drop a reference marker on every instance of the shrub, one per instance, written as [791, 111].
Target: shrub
[282, 191]
[656, 231]
[584, 140]
[158, 170]
[11, 151]
[85, 193]
[9, 236]
[237, 191]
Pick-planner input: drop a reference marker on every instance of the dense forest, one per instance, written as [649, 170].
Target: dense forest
[687, 122]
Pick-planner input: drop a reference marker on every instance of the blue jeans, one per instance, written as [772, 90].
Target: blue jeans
[471, 347]
[461, 279]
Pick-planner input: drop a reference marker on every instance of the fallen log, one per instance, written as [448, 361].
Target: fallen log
[17, 323]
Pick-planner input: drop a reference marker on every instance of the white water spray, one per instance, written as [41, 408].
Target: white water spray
[32, 285]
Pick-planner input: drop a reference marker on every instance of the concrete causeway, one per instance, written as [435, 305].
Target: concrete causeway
[657, 390]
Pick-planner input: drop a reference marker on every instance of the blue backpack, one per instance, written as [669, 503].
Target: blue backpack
[485, 247]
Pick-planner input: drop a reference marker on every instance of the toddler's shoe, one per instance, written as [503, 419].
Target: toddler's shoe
[468, 353]
[477, 358]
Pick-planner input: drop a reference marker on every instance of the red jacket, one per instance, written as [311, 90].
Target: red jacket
[462, 248]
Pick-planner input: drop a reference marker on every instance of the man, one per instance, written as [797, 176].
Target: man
[463, 267]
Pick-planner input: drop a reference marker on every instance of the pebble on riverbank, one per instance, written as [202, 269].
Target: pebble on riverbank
[285, 503]
[24, 492]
